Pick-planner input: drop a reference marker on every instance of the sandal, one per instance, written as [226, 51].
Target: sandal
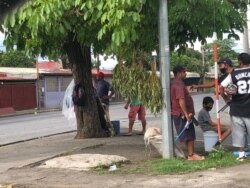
[127, 134]
[140, 133]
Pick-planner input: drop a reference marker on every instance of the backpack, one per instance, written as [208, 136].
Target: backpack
[78, 96]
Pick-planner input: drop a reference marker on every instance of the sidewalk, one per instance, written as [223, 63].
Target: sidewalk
[23, 160]
[9, 113]
[19, 163]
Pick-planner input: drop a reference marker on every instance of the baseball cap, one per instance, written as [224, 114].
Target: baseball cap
[225, 61]
[178, 68]
[100, 74]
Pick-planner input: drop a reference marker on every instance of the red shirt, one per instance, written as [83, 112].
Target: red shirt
[179, 91]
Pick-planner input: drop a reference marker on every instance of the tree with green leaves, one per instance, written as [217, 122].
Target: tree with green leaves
[112, 26]
[225, 50]
[15, 58]
[193, 64]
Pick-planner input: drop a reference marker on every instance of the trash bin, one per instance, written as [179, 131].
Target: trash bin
[210, 139]
[116, 125]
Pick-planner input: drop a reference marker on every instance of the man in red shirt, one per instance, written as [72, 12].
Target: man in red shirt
[181, 108]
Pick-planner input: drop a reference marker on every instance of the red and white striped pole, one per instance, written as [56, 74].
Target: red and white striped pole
[215, 46]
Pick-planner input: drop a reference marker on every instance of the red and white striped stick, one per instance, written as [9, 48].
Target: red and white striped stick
[216, 86]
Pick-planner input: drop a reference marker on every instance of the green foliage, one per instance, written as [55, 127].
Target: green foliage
[15, 59]
[192, 19]
[219, 159]
[136, 83]
[191, 63]
[113, 26]
[225, 50]
[120, 27]
[44, 26]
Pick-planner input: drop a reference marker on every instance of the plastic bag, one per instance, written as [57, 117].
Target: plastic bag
[68, 106]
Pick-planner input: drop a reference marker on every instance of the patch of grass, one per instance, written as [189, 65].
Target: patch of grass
[103, 169]
[216, 159]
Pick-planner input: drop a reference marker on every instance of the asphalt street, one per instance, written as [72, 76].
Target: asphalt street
[36, 125]
[19, 163]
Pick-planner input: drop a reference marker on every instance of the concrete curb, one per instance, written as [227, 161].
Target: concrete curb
[31, 111]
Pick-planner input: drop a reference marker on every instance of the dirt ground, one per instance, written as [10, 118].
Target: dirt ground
[31, 176]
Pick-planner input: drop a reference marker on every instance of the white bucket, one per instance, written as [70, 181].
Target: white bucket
[210, 139]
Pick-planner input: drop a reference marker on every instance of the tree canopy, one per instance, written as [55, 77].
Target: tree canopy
[225, 50]
[120, 27]
[7, 6]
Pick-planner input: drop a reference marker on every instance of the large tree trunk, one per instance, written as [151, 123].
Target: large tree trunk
[88, 122]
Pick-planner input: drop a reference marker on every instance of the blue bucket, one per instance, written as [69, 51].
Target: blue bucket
[116, 125]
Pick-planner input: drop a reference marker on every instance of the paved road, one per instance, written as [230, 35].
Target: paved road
[20, 128]
[29, 126]
[26, 153]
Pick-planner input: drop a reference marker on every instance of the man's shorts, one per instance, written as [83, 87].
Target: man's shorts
[188, 134]
[137, 109]
[240, 129]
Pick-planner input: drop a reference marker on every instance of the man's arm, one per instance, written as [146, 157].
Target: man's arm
[183, 106]
[127, 104]
[112, 92]
[213, 124]
[223, 85]
[206, 85]
[226, 98]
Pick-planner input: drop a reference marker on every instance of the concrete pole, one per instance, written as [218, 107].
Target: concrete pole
[38, 84]
[245, 36]
[245, 41]
[167, 130]
[203, 64]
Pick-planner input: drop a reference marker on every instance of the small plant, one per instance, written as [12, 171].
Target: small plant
[101, 169]
[216, 159]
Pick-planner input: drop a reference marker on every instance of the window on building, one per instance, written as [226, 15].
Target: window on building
[52, 84]
[65, 82]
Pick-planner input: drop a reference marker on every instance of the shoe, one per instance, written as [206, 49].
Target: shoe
[217, 148]
[217, 144]
[195, 157]
[241, 159]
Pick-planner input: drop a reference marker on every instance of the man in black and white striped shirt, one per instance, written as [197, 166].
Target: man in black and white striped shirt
[239, 102]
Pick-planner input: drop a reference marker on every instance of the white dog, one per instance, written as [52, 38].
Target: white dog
[153, 136]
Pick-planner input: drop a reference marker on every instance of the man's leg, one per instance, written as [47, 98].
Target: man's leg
[131, 116]
[239, 135]
[106, 110]
[130, 126]
[143, 122]
[247, 123]
[79, 122]
[226, 131]
[190, 147]
[141, 116]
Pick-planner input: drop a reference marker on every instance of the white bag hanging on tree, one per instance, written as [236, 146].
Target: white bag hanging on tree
[68, 106]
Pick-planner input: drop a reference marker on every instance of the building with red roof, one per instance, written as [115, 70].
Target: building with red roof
[52, 83]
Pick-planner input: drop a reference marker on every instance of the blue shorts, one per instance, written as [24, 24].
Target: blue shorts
[188, 134]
